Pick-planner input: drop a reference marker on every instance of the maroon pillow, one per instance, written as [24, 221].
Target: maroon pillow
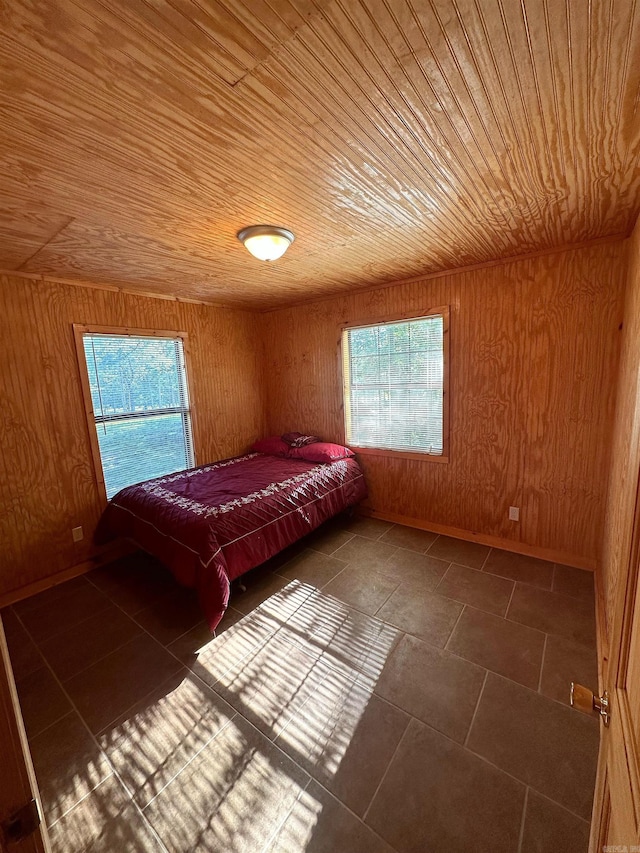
[320, 451]
[273, 446]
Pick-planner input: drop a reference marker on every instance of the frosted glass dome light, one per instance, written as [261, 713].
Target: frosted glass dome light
[266, 242]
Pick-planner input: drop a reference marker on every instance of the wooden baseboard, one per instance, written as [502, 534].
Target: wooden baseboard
[549, 554]
[105, 555]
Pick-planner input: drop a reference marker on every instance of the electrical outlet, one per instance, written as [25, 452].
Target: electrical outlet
[77, 534]
[514, 513]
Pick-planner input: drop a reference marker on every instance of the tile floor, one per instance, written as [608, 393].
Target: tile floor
[376, 688]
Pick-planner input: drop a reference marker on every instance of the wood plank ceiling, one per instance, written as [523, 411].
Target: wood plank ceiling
[394, 137]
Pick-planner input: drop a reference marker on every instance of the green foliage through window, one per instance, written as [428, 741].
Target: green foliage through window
[141, 407]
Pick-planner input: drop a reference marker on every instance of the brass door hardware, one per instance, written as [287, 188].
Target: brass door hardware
[586, 701]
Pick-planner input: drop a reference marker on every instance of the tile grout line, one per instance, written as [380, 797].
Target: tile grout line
[475, 710]
[523, 819]
[387, 768]
[272, 837]
[542, 659]
[393, 591]
[193, 757]
[49, 725]
[356, 815]
[98, 659]
[433, 543]
[484, 562]
[101, 752]
[464, 607]
[506, 612]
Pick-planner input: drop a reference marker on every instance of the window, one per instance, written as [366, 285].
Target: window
[139, 405]
[395, 378]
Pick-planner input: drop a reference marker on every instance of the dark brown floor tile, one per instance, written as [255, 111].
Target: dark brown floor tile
[507, 648]
[190, 644]
[479, 589]
[426, 615]
[10, 623]
[554, 613]
[551, 748]
[416, 569]
[116, 682]
[50, 619]
[104, 822]
[548, 828]
[370, 528]
[564, 662]
[437, 796]
[319, 823]
[232, 797]
[48, 597]
[153, 741]
[24, 654]
[133, 582]
[344, 737]
[361, 588]
[519, 567]
[459, 551]
[365, 553]
[328, 540]
[271, 683]
[409, 537]
[313, 568]
[42, 701]
[83, 644]
[575, 582]
[172, 615]
[433, 685]
[68, 765]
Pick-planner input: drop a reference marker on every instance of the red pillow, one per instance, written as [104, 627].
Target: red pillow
[320, 451]
[273, 446]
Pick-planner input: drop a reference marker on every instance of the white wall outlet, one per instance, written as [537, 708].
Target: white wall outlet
[77, 534]
[514, 513]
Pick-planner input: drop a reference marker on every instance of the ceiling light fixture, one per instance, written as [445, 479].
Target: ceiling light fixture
[266, 242]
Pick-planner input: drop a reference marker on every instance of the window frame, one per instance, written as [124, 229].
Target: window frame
[79, 330]
[425, 456]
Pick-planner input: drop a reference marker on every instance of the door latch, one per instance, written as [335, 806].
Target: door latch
[21, 823]
[584, 700]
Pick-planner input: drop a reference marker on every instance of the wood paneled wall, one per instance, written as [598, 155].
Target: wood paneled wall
[47, 481]
[625, 455]
[534, 356]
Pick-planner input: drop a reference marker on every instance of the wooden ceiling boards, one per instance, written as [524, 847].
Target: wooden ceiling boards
[394, 137]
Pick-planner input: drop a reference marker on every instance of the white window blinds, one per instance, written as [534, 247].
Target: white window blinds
[141, 407]
[394, 385]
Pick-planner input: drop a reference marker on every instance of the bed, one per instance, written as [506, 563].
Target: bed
[211, 524]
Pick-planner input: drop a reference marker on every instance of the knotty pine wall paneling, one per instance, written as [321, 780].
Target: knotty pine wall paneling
[625, 454]
[534, 354]
[47, 480]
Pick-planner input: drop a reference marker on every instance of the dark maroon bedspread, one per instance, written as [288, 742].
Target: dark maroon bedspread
[212, 523]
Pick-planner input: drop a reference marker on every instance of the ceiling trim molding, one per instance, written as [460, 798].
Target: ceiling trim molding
[117, 288]
[539, 253]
